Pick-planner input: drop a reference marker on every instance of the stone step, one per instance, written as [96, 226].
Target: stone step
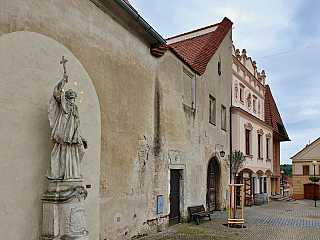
[281, 198]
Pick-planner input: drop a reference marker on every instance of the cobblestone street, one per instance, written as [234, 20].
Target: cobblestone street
[276, 220]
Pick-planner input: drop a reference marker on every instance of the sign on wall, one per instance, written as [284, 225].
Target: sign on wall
[159, 204]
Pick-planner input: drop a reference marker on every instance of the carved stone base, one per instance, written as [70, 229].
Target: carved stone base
[63, 211]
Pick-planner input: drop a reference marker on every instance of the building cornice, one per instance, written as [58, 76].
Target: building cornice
[251, 118]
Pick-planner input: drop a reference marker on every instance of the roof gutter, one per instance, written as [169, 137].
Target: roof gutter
[143, 23]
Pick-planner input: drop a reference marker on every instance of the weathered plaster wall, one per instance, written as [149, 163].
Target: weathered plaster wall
[122, 71]
[140, 122]
[187, 132]
[29, 72]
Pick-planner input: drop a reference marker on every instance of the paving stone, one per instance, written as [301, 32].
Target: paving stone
[276, 220]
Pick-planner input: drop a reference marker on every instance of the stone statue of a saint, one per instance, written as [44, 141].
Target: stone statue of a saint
[69, 145]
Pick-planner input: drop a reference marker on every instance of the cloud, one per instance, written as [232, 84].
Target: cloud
[262, 28]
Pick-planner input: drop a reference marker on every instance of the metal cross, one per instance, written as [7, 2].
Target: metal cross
[63, 62]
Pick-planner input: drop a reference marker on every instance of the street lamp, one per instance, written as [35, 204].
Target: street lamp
[222, 153]
[282, 172]
[315, 196]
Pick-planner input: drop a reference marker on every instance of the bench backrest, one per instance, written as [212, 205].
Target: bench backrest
[196, 209]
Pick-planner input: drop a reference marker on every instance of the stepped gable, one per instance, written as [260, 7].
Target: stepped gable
[272, 115]
[197, 51]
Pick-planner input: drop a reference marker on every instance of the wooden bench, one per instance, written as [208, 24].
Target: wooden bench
[197, 213]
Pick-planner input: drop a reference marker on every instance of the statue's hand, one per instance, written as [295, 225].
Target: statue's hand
[66, 77]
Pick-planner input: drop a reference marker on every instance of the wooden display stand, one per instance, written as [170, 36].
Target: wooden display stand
[232, 216]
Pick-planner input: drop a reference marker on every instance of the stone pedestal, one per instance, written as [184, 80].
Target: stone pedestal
[63, 211]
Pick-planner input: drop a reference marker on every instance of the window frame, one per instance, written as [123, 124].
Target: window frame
[307, 168]
[259, 146]
[268, 147]
[241, 94]
[212, 110]
[193, 88]
[223, 118]
[247, 138]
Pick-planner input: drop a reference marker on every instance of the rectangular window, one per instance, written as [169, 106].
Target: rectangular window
[188, 89]
[212, 110]
[265, 184]
[259, 146]
[305, 170]
[268, 148]
[241, 94]
[247, 141]
[223, 117]
[254, 105]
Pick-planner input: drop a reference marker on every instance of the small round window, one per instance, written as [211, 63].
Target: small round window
[219, 68]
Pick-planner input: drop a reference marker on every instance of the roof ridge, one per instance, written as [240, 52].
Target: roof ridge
[197, 51]
[193, 31]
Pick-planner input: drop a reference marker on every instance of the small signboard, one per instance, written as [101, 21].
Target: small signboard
[159, 204]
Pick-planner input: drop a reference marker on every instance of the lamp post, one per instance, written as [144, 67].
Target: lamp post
[315, 196]
[282, 172]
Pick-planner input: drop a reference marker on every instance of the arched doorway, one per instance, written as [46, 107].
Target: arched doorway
[213, 181]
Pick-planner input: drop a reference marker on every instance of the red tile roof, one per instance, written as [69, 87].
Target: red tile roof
[287, 179]
[197, 51]
[272, 115]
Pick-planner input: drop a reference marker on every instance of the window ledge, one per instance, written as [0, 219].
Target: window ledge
[261, 159]
[268, 160]
[212, 123]
[249, 156]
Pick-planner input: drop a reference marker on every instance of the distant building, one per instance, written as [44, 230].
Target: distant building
[287, 186]
[302, 170]
[257, 128]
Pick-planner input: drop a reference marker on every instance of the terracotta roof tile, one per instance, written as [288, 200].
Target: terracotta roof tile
[272, 115]
[197, 51]
[287, 179]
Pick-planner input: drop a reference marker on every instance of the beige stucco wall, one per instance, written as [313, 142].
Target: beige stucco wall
[29, 72]
[239, 143]
[304, 158]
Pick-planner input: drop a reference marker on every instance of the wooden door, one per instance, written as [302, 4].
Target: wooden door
[309, 191]
[174, 216]
[213, 177]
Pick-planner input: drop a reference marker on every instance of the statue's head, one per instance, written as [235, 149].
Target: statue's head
[70, 94]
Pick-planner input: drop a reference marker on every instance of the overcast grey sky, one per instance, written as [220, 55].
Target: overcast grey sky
[263, 28]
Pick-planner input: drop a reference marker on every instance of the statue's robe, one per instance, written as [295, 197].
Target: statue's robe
[68, 147]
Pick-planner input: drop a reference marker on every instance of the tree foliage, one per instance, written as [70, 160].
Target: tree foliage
[235, 161]
[287, 168]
